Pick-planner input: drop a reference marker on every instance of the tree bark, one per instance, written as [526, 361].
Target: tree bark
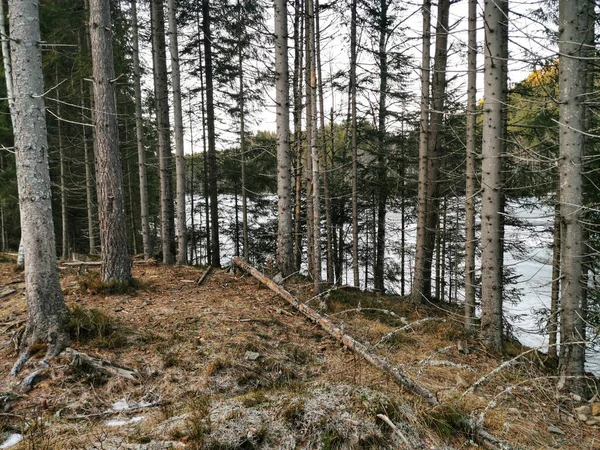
[64, 214]
[161, 95]
[493, 149]
[178, 119]
[212, 152]
[382, 188]
[146, 242]
[242, 106]
[572, 43]
[434, 152]
[314, 149]
[419, 284]
[555, 290]
[354, 144]
[116, 263]
[298, 89]
[470, 188]
[46, 310]
[285, 252]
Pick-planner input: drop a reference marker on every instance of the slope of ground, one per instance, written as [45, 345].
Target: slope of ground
[229, 365]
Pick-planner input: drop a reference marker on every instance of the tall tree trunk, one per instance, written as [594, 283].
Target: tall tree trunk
[420, 281]
[242, 106]
[555, 290]
[64, 214]
[470, 188]
[493, 149]
[193, 249]
[212, 152]
[147, 243]
[162, 122]
[204, 146]
[308, 170]
[298, 85]
[434, 152]
[46, 310]
[314, 149]
[116, 262]
[323, 158]
[285, 255]
[178, 119]
[382, 188]
[573, 49]
[354, 144]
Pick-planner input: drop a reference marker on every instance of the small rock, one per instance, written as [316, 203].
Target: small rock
[555, 430]
[592, 422]
[461, 382]
[596, 409]
[514, 412]
[278, 278]
[462, 347]
[583, 417]
[585, 410]
[575, 397]
[251, 356]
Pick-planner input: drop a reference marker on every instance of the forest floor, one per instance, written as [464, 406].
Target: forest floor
[228, 364]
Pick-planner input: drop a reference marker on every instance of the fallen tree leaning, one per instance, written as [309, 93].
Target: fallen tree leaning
[483, 437]
[337, 333]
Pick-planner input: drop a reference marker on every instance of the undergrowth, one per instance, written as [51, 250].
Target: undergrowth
[95, 327]
[91, 283]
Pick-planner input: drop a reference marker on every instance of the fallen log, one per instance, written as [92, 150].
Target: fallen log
[483, 437]
[204, 275]
[103, 366]
[337, 333]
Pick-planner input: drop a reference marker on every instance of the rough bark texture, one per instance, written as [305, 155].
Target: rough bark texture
[285, 252]
[470, 189]
[298, 89]
[242, 106]
[161, 95]
[435, 148]
[418, 290]
[46, 311]
[210, 124]
[314, 150]
[354, 144]
[382, 188]
[116, 263]
[64, 213]
[555, 290]
[573, 35]
[323, 153]
[493, 149]
[146, 242]
[178, 119]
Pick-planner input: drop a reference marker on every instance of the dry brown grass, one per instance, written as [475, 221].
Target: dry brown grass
[189, 345]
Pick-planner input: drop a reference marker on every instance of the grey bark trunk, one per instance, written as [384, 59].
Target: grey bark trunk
[314, 150]
[242, 106]
[285, 255]
[382, 188]
[178, 119]
[116, 262]
[146, 242]
[555, 290]
[470, 188]
[572, 40]
[434, 152]
[162, 123]
[46, 310]
[89, 182]
[323, 154]
[64, 215]
[493, 149]
[419, 284]
[298, 89]
[353, 61]
[212, 153]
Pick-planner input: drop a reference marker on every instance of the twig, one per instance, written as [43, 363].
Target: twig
[113, 412]
[410, 326]
[387, 420]
[204, 275]
[384, 311]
